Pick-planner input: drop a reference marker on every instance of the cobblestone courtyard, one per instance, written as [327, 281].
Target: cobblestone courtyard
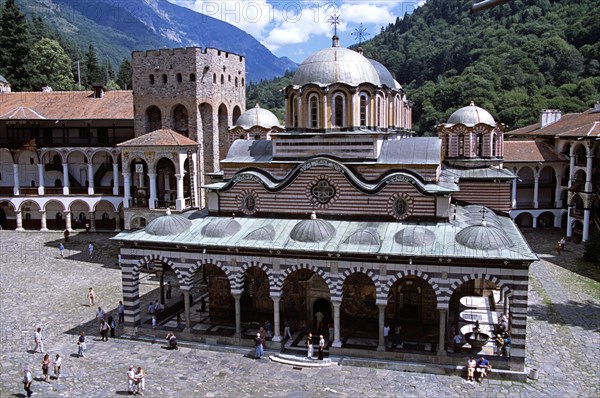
[37, 288]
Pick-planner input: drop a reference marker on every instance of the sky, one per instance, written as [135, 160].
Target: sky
[297, 28]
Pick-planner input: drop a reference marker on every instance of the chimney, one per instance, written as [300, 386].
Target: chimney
[549, 116]
[98, 90]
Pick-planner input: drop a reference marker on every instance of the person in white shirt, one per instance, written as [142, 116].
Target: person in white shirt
[57, 365]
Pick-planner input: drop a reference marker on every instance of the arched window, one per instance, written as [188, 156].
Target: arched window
[294, 111]
[164, 78]
[179, 78]
[192, 77]
[494, 145]
[338, 110]
[153, 119]
[151, 79]
[180, 119]
[222, 79]
[447, 145]
[480, 142]
[314, 111]
[378, 112]
[364, 110]
[461, 145]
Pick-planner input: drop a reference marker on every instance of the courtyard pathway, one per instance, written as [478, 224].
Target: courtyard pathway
[38, 288]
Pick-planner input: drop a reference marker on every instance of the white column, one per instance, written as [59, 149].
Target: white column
[180, 202]
[90, 178]
[16, 178]
[337, 342]
[514, 194]
[534, 221]
[19, 220]
[588, 172]
[92, 221]
[152, 200]
[586, 225]
[41, 179]
[277, 333]
[238, 316]
[65, 178]
[536, 189]
[117, 221]
[68, 221]
[442, 340]
[127, 189]
[116, 179]
[571, 165]
[381, 345]
[44, 224]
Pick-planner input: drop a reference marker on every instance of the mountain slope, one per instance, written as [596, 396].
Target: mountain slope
[118, 27]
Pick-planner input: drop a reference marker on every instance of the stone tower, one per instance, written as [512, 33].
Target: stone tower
[197, 92]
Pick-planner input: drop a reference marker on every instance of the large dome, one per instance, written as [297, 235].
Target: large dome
[257, 116]
[385, 76]
[313, 230]
[470, 116]
[483, 237]
[336, 64]
[169, 224]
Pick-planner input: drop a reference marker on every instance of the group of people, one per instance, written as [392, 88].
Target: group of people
[481, 366]
[46, 363]
[397, 341]
[136, 380]
[310, 346]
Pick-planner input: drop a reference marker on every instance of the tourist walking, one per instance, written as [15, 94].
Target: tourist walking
[309, 346]
[121, 312]
[91, 249]
[57, 366]
[61, 250]
[91, 296]
[258, 342]
[81, 346]
[46, 367]
[38, 338]
[140, 381]
[321, 347]
[131, 380]
[286, 329]
[66, 234]
[100, 314]
[386, 335]
[27, 380]
[104, 328]
[111, 323]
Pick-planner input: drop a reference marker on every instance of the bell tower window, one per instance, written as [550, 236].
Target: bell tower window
[314, 112]
[364, 111]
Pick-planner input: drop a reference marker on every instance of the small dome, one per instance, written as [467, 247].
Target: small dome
[257, 116]
[483, 237]
[367, 236]
[221, 228]
[470, 116]
[169, 224]
[385, 76]
[313, 230]
[336, 64]
[415, 236]
[266, 233]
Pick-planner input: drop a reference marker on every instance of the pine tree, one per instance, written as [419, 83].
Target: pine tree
[15, 40]
[125, 74]
[93, 71]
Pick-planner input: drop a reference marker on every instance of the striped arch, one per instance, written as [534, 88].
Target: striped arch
[239, 277]
[209, 261]
[399, 275]
[506, 290]
[369, 272]
[151, 257]
[325, 275]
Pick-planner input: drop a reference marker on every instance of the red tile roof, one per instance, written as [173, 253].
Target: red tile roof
[163, 137]
[575, 125]
[66, 105]
[531, 151]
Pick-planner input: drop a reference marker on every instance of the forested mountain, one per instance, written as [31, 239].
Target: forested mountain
[513, 60]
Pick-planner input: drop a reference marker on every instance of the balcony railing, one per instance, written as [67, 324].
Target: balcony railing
[53, 191]
[29, 191]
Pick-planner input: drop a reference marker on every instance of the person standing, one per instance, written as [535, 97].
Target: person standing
[506, 346]
[131, 380]
[104, 328]
[57, 366]
[100, 314]
[258, 342]
[397, 339]
[558, 248]
[321, 347]
[499, 344]
[458, 342]
[286, 329]
[66, 234]
[27, 380]
[386, 335]
[309, 346]
[121, 312]
[91, 296]
[81, 344]
[140, 381]
[46, 367]
[39, 340]
[91, 249]
[561, 243]
[61, 250]
[120, 260]
[111, 323]
[319, 315]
